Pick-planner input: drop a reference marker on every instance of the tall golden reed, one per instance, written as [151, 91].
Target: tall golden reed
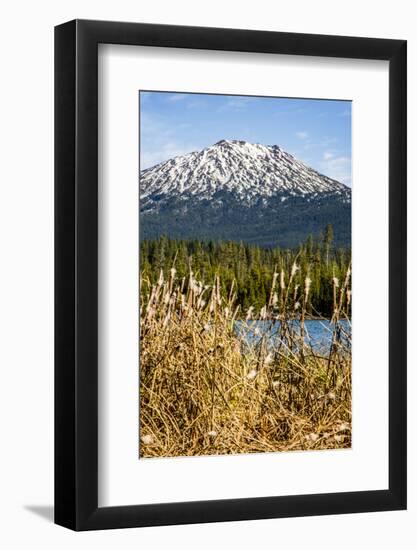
[213, 382]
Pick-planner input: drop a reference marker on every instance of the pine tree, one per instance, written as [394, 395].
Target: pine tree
[327, 241]
[249, 267]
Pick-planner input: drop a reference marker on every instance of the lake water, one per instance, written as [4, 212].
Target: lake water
[318, 333]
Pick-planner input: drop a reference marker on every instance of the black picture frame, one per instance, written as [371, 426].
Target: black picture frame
[76, 272]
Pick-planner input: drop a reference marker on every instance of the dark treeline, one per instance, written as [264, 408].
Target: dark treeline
[251, 267]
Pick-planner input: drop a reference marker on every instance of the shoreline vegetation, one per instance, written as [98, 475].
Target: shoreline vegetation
[250, 268]
[207, 390]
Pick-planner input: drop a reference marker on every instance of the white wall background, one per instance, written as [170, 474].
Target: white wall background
[26, 271]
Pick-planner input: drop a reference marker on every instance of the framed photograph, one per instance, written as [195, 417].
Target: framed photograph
[230, 254]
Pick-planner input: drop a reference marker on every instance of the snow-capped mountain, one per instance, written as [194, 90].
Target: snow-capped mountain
[210, 193]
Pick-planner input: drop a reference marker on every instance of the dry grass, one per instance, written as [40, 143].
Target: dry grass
[204, 390]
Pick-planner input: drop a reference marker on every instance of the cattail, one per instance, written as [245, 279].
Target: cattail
[251, 386]
[249, 313]
[307, 287]
[282, 279]
[151, 312]
[274, 280]
[348, 296]
[294, 269]
[195, 286]
[218, 290]
[296, 292]
[252, 374]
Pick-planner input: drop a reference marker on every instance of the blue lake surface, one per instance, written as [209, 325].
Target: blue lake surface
[318, 333]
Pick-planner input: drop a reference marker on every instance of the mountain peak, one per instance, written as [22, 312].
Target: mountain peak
[236, 190]
[223, 142]
[230, 142]
[248, 171]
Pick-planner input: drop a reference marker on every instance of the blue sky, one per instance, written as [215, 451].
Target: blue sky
[318, 132]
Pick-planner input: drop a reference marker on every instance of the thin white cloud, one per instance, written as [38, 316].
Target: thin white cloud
[302, 134]
[325, 142]
[346, 112]
[196, 103]
[177, 97]
[290, 110]
[337, 167]
[235, 104]
[158, 142]
[153, 128]
[164, 152]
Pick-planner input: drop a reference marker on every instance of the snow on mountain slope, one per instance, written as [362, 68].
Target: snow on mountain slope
[247, 171]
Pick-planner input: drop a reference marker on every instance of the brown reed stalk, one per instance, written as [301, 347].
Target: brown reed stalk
[208, 387]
